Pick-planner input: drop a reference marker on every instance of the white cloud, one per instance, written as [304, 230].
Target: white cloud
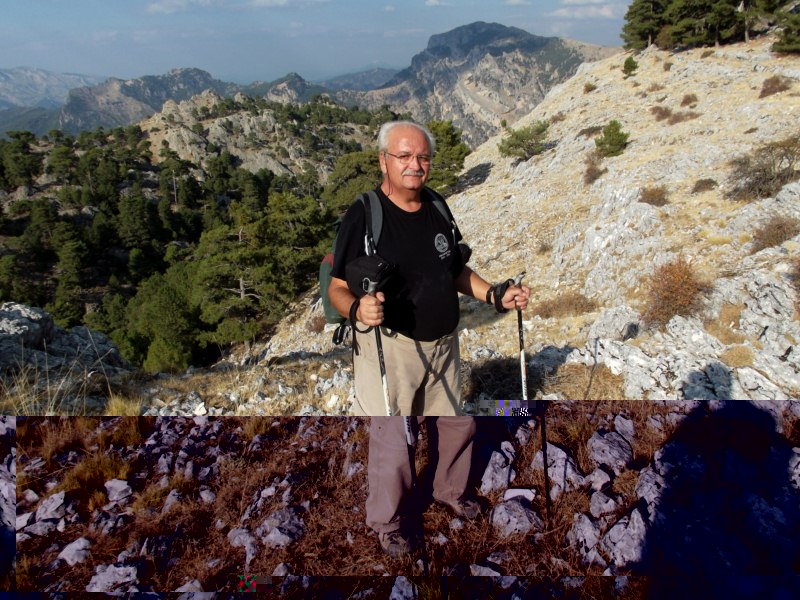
[172, 6]
[606, 11]
[517, 2]
[435, 3]
[268, 3]
[389, 8]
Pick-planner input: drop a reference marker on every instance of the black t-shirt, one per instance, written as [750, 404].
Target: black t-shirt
[421, 300]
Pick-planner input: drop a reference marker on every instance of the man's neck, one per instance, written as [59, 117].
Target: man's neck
[408, 200]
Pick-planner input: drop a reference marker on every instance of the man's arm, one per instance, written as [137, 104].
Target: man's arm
[472, 284]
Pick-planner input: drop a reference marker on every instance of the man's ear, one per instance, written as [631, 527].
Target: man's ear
[382, 162]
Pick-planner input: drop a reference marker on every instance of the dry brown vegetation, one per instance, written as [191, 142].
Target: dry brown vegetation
[774, 85]
[774, 232]
[673, 289]
[654, 195]
[317, 477]
[704, 185]
[593, 170]
[763, 172]
[689, 100]
[568, 304]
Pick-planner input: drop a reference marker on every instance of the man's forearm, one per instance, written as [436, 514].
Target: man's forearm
[341, 298]
[472, 284]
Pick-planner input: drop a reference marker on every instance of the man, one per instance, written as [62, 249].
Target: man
[418, 316]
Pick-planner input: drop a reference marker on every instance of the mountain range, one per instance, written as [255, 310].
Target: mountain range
[477, 75]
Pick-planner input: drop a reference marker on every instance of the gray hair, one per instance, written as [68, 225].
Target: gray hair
[386, 128]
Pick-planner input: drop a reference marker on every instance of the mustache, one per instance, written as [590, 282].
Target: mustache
[414, 172]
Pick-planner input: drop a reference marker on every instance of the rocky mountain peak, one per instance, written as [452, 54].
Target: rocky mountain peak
[481, 37]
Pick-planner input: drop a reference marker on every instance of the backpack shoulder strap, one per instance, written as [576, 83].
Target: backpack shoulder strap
[374, 220]
[442, 207]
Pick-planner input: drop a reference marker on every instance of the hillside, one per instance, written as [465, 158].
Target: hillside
[589, 249]
[479, 75]
[26, 87]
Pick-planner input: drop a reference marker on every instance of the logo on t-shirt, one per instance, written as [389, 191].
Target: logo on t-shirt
[442, 245]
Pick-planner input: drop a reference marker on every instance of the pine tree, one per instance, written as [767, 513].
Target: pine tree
[450, 154]
[789, 40]
[643, 20]
[613, 140]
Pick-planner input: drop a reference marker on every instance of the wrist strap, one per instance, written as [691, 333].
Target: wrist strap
[499, 292]
[489, 295]
[353, 311]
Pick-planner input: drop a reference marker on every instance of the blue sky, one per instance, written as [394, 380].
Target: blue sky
[249, 40]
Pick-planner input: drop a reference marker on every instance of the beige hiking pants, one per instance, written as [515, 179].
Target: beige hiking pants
[423, 377]
[389, 468]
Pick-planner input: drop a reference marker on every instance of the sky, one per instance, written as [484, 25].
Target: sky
[243, 41]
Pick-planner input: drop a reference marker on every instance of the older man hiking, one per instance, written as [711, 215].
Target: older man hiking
[417, 314]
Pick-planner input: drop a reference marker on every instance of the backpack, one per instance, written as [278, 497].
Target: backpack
[372, 235]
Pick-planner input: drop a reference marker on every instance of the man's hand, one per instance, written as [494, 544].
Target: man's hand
[370, 310]
[516, 297]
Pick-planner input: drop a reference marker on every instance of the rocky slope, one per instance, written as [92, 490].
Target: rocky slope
[478, 75]
[600, 241]
[707, 490]
[118, 102]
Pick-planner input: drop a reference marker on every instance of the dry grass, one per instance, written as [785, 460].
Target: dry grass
[593, 170]
[689, 100]
[581, 382]
[655, 195]
[661, 113]
[673, 289]
[724, 328]
[680, 117]
[774, 85]
[704, 185]
[569, 304]
[589, 87]
[737, 357]
[774, 233]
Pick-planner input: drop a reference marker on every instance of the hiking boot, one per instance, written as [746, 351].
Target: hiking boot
[464, 507]
[394, 543]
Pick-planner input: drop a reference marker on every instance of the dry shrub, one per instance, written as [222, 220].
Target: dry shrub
[689, 100]
[707, 53]
[680, 117]
[590, 131]
[569, 304]
[667, 66]
[625, 484]
[774, 85]
[130, 431]
[655, 87]
[704, 185]
[593, 171]
[64, 434]
[763, 172]
[582, 382]
[655, 196]
[774, 232]
[317, 324]
[559, 116]
[86, 480]
[589, 87]
[544, 247]
[737, 357]
[751, 130]
[661, 113]
[673, 289]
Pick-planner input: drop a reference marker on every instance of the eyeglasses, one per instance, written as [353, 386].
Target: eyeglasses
[423, 159]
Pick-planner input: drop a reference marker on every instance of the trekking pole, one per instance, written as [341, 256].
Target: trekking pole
[371, 286]
[411, 443]
[524, 377]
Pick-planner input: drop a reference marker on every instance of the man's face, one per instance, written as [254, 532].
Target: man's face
[409, 172]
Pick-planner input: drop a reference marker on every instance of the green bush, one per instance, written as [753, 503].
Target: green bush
[525, 142]
[613, 141]
[630, 66]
